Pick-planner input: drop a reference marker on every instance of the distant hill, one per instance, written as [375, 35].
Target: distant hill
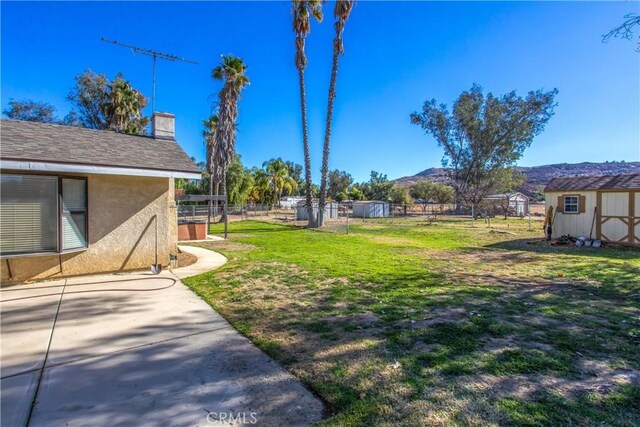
[538, 176]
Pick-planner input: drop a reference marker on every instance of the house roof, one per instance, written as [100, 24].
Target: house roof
[604, 182]
[31, 145]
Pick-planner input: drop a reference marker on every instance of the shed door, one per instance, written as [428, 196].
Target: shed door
[617, 221]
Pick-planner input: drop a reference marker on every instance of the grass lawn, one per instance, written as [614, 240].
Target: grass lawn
[402, 323]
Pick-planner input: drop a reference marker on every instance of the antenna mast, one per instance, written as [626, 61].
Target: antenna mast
[155, 55]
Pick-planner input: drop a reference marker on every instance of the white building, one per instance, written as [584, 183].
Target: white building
[371, 209]
[518, 202]
[330, 210]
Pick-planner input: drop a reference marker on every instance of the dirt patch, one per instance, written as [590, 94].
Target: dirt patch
[441, 315]
[357, 320]
[186, 259]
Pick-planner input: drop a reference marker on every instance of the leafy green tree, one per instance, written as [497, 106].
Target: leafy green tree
[111, 105]
[239, 182]
[302, 10]
[432, 192]
[400, 196]
[279, 178]
[339, 182]
[231, 71]
[295, 172]
[341, 12]
[355, 193]
[484, 134]
[261, 190]
[31, 111]
[378, 188]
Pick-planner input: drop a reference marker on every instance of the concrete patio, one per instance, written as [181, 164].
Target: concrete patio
[135, 349]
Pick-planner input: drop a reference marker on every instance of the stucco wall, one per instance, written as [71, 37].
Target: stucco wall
[121, 231]
[575, 224]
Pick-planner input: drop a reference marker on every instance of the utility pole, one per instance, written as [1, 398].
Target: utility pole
[155, 55]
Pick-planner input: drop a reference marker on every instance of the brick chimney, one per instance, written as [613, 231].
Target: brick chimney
[163, 126]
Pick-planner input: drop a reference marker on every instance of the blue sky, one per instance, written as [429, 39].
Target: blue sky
[397, 56]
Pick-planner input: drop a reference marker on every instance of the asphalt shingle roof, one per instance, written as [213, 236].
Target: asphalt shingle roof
[40, 142]
[605, 182]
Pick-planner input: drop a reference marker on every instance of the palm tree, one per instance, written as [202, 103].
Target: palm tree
[124, 106]
[341, 12]
[232, 71]
[209, 135]
[261, 185]
[302, 11]
[279, 179]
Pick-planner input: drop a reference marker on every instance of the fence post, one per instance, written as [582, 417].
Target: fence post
[347, 221]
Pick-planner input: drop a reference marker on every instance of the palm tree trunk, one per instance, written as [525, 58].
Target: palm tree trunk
[327, 132]
[226, 200]
[307, 157]
[210, 197]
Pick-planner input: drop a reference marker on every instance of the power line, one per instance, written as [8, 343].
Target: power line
[155, 55]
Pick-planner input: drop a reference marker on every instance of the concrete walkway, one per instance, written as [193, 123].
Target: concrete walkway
[207, 261]
[135, 349]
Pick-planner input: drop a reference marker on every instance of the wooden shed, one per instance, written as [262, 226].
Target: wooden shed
[606, 208]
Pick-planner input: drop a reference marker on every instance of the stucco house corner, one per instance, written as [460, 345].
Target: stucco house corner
[81, 201]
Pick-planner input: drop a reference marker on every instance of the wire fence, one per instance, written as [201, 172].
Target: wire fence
[347, 213]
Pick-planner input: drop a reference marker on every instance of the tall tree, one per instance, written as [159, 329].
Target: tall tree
[31, 111]
[484, 134]
[112, 105]
[231, 71]
[302, 11]
[338, 182]
[209, 136]
[341, 12]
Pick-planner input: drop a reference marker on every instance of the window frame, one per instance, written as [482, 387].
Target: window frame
[60, 213]
[577, 204]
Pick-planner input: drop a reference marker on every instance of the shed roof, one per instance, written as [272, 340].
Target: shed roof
[603, 182]
[66, 145]
[506, 195]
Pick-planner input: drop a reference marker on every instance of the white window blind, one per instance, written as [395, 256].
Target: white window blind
[28, 214]
[74, 214]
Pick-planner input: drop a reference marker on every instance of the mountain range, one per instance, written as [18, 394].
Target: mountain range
[538, 176]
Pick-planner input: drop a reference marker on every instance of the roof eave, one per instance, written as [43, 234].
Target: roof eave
[33, 166]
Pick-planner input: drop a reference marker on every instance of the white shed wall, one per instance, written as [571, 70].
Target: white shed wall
[574, 224]
[330, 211]
[370, 209]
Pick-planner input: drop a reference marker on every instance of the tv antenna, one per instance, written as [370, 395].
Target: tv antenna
[156, 55]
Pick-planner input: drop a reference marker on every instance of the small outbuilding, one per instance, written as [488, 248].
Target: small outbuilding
[518, 202]
[606, 208]
[330, 210]
[371, 209]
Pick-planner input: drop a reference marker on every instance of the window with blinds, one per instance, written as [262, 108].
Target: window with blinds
[28, 214]
[74, 214]
[40, 214]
